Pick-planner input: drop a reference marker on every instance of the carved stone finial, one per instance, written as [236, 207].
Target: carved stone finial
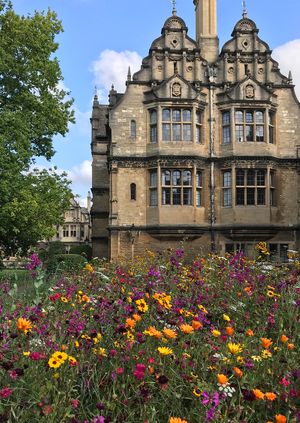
[174, 11]
[95, 93]
[245, 13]
[129, 74]
[290, 77]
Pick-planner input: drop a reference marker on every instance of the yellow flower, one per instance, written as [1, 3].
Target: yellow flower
[202, 308]
[89, 268]
[24, 325]
[226, 317]
[197, 392]
[234, 348]
[60, 355]
[256, 358]
[266, 354]
[100, 351]
[26, 353]
[56, 375]
[216, 333]
[177, 420]
[186, 328]
[164, 350]
[72, 360]
[142, 305]
[169, 333]
[64, 299]
[54, 363]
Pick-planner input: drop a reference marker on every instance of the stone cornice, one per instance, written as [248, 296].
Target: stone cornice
[186, 160]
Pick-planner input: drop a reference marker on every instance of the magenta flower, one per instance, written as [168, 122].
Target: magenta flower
[5, 392]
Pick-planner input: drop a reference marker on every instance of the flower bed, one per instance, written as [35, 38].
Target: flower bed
[160, 340]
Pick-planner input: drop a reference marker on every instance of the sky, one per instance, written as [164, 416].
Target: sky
[102, 38]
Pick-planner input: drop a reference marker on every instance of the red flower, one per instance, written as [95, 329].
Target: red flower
[5, 392]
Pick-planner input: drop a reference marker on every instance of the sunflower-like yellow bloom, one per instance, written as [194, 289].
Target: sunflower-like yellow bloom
[234, 348]
[164, 350]
[142, 305]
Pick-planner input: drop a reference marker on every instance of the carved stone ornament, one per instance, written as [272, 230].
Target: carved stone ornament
[245, 26]
[231, 70]
[176, 90]
[261, 59]
[249, 91]
[159, 68]
[246, 44]
[246, 59]
[189, 68]
[159, 57]
[174, 58]
[174, 42]
[260, 71]
[231, 58]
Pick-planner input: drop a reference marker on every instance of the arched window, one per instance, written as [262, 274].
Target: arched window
[132, 191]
[133, 129]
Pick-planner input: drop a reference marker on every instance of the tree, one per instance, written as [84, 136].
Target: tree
[33, 109]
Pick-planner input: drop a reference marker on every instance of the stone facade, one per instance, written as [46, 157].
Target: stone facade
[76, 229]
[202, 148]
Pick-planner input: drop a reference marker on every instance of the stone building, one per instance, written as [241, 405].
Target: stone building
[202, 147]
[76, 229]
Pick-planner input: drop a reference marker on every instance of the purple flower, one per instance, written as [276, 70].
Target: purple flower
[210, 414]
[205, 398]
[98, 419]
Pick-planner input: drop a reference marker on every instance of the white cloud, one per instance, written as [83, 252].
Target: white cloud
[288, 58]
[112, 67]
[82, 173]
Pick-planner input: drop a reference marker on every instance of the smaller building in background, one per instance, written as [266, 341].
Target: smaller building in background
[76, 230]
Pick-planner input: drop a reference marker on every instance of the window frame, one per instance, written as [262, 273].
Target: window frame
[248, 193]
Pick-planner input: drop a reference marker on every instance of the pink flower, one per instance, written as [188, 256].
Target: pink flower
[119, 370]
[5, 392]
[284, 382]
[75, 403]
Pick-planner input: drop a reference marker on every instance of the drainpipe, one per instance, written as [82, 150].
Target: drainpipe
[212, 73]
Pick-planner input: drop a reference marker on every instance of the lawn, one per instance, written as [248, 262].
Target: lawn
[164, 339]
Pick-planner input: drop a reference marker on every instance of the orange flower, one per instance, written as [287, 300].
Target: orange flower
[284, 338]
[24, 325]
[266, 342]
[169, 333]
[177, 420]
[196, 324]
[291, 346]
[152, 331]
[280, 418]
[222, 379]
[85, 299]
[258, 394]
[238, 371]
[229, 330]
[130, 323]
[186, 328]
[270, 396]
[249, 332]
[136, 317]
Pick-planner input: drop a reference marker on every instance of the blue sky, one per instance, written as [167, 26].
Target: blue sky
[101, 37]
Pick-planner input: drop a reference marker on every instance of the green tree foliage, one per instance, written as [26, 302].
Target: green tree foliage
[33, 109]
[32, 208]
